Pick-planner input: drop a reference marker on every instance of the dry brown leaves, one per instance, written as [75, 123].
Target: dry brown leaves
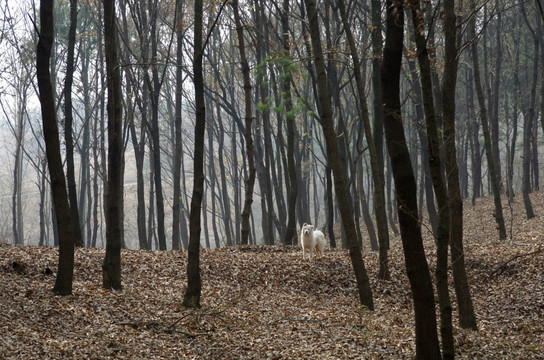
[266, 303]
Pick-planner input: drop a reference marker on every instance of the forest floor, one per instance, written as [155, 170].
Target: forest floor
[266, 303]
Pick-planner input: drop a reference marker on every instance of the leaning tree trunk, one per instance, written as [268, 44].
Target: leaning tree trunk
[467, 318]
[111, 268]
[63, 283]
[499, 218]
[68, 120]
[427, 345]
[344, 201]
[439, 184]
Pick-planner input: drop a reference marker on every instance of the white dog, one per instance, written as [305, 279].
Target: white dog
[311, 240]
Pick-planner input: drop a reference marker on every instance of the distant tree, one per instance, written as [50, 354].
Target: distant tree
[63, 283]
[494, 179]
[528, 123]
[111, 268]
[377, 172]
[291, 179]
[177, 203]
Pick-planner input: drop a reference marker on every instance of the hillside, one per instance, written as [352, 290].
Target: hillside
[266, 303]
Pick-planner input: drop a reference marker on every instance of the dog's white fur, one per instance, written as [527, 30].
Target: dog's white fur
[311, 240]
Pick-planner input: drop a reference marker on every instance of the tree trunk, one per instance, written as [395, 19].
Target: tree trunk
[474, 125]
[529, 115]
[377, 172]
[16, 201]
[377, 48]
[427, 345]
[250, 182]
[63, 283]
[178, 153]
[155, 85]
[439, 183]
[191, 298]
[499, 218]
[292, 189]
[68, 120]
[329, 200]
[467, 318]
[111, 268]
[342, 193]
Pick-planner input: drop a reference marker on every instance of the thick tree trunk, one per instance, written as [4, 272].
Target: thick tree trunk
[439, 184]
[342, 193]
[111, 268]
[63, 283]
[427, 345]
[191, 297]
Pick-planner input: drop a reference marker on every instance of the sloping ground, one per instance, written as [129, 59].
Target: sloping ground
[266, 303]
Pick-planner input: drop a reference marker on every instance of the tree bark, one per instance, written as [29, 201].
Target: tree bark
[427, 345]
[65, 274]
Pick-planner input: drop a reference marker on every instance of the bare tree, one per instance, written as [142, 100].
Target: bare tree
[63, 283]
[191, 298]
[427, 345]
[250, 182]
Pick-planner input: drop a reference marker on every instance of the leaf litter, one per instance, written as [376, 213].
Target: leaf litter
[265, 302]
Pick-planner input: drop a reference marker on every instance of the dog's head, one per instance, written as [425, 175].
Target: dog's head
[307, 228]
